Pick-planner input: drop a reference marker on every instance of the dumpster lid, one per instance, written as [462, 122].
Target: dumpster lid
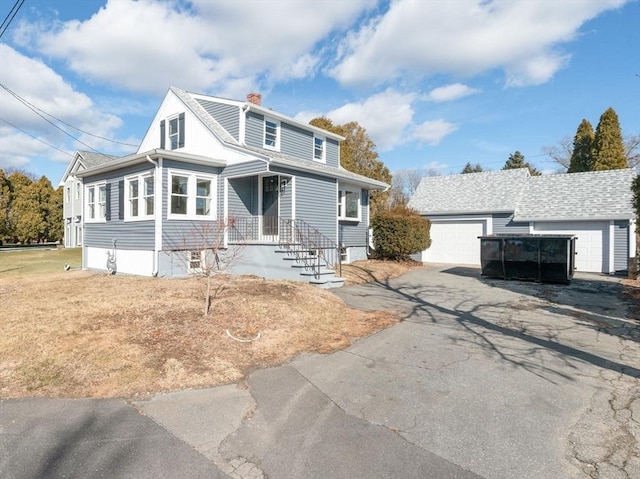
[527, 235]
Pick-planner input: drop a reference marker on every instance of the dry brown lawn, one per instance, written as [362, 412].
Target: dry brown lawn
[81, 334]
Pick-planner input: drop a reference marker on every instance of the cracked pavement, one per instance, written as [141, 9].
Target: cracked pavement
[483, 379]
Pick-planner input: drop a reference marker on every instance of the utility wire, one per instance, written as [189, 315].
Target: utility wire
[36, 110]
[10, 16]
[35, 137]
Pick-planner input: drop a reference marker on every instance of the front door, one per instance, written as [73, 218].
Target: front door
[270, 192]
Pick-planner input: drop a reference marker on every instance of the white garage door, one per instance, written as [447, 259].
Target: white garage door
[455, 242]
[592, 245]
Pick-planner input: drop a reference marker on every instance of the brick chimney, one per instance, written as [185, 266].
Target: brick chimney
[255, 98]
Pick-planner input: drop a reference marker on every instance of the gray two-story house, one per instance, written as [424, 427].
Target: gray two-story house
[228, 177]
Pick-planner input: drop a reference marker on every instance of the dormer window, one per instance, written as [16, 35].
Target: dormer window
[319, 148]
[271, 134]
[174, 133]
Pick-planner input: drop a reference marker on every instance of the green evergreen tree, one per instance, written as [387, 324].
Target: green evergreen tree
[469, 168]
[608, 147]
[581, 155]
[516, 160]
[358, 154]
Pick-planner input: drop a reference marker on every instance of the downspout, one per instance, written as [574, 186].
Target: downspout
[157, 212]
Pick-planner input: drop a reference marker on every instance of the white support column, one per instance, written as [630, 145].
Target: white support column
[612, 267]
[632, 246]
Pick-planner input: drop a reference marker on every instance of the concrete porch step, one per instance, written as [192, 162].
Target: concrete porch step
[327, 283]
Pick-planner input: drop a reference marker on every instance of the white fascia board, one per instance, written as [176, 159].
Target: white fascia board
[77, 158]
[463, 213]
[154, 155]
[361, 181]
[542, 219]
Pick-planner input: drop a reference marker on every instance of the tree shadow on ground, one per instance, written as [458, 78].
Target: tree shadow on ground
[436, 301]
[596, 301]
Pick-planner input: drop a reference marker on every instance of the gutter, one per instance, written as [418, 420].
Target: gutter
[157, 212]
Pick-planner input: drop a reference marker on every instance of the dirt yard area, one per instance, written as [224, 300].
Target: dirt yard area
[82, 334]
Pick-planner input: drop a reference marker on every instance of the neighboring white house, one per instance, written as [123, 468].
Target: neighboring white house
[595, 206]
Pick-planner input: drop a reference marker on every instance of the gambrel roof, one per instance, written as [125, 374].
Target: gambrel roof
[485, 192]
[594, 195]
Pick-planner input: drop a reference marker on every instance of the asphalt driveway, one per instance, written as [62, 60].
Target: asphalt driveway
[483, 378]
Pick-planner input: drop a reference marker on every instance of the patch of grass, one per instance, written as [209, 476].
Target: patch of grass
[82, 334]
[17, 264]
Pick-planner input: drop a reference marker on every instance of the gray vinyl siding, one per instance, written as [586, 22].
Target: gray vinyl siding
[621, 245]
[130, 235]
[286, 199]
[316, 201]
[254, 130]
[503, 224]
[355, 234]
[296, 142]
[243, 197]
[228, 116]
[333, 153]
[184, 234]
[245, 169]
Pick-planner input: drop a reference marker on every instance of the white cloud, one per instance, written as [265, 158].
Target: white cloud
[215, 47]
[451, 92]
[45, 90]
[464, 37]
[433, 131]
[385, 116]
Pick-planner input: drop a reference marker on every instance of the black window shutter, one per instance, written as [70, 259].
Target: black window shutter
[162, 134]
[180, 130]
[107, 199]
[121, 199]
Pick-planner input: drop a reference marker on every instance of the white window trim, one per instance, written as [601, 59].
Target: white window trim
[98, 218]
[193, 176]
[168, 132]
[342, 190]
[275, 147]
[77, 187]
[323, 158]
[194, 257]
[142, 205]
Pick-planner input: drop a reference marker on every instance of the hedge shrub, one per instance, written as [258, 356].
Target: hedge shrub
[399, 233]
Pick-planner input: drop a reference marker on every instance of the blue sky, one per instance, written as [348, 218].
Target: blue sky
[436, 83]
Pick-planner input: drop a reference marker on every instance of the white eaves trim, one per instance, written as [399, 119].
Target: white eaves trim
[153, 155]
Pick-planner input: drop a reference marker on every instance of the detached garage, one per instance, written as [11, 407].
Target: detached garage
[455, 241]
[594, 206]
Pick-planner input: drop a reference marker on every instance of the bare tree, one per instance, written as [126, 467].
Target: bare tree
[404, 184]
[561, 153]
[205, 253]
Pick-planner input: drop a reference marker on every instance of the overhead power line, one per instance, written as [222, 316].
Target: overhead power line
[35, 137]
[41, 113]
[10, 16]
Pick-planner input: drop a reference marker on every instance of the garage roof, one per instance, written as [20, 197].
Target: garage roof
[593, 195]
[486, 192]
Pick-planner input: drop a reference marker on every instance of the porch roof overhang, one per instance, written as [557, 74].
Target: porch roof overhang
[136, 158]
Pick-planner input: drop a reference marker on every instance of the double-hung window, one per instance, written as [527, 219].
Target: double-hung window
[319, 148]
[173, 130]
[271, 134]
[139, 197]
[349, 204]
[192, 195]
[96, 204]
